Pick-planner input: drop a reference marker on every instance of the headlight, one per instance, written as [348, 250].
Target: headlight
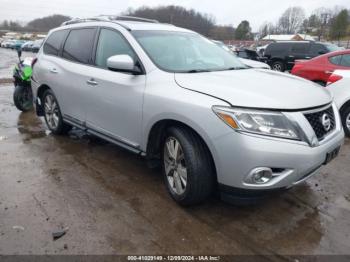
[268, 123]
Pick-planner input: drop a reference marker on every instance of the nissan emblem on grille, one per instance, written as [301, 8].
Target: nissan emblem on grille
[326, 122]
[322, 122]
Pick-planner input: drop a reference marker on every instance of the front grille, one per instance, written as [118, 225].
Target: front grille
[316, 121]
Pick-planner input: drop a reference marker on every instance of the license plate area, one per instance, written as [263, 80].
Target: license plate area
[331, 155]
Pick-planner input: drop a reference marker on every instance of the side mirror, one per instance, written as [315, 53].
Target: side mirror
[123, 63]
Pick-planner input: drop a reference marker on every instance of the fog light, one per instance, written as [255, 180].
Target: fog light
[260, 175]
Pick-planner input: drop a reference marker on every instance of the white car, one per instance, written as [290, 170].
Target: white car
[339, 85]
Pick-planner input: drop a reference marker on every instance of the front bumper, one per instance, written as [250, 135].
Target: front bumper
[237, 154]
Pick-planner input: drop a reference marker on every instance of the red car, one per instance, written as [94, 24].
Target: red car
[320, 68]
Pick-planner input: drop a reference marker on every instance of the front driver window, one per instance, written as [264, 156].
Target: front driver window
[111, 43]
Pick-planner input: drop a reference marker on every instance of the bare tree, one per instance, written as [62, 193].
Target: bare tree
[291, 20]
[267, 29]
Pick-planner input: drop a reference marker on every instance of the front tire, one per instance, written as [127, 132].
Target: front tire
[345, 119]
[23, 98]
[52, 114]
[187, 167]
[278, 66]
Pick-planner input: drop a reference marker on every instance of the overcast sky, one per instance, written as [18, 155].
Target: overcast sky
[225, 11]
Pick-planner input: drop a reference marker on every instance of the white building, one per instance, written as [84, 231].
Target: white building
[295, 37]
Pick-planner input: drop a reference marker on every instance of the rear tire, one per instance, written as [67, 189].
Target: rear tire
[345, 119]
[52, 114]
[188, 170]
[23, 98]
[278, 66]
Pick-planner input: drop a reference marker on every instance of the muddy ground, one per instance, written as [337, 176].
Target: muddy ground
[111, 203]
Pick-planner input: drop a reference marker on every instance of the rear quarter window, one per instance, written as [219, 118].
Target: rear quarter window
[335, 60]
[345, 60]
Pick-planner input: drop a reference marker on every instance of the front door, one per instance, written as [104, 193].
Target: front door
[114, 106]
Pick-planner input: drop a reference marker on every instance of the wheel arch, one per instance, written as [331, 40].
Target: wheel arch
[156, 135]
[39, 94]
[344, 106]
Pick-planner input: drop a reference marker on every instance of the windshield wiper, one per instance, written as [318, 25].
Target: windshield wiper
[237, 68]
[197, 71]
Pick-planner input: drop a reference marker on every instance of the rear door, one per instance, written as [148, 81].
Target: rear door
[47, 70]
[74, 70]
[115, 98]
[297, 51]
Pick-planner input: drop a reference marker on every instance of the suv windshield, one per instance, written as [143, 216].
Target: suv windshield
[332, 47]
[185, 52]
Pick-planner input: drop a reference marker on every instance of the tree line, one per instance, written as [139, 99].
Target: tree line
[332, 24]
[325, 23]
[44, 24]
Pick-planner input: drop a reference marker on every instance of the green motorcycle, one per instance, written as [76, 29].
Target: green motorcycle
[23, 96]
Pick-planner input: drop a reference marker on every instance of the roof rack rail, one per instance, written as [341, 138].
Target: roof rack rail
[82, 20]
[134, 18]
[108, 18]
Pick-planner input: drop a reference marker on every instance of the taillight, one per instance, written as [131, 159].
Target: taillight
[34, 61]
[333, 78]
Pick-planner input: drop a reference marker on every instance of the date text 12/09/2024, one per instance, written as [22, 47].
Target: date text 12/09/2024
[173, 258]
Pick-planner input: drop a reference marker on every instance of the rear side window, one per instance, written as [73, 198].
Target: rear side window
[335, 59]
[53, 43]
[345, 60]
[318, 49]
[78, 46]
[300, 48]
[277, 48]
[111, 43]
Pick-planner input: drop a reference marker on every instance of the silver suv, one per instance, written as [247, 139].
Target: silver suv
[183, 102]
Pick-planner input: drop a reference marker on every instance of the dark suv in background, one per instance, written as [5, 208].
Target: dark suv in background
[281, 55]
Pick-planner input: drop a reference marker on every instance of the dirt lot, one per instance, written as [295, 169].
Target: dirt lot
[112, 204]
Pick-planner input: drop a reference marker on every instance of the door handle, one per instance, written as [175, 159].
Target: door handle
[291, 56]
[54, 71]
[328, 72]
[307, 57]
[92, 82]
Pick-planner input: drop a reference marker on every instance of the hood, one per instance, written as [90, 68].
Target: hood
[257, 88]
[254, 64]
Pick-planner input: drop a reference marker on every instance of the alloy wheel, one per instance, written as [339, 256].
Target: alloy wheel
[175, 166]
[277, 67]
[347, 121]
[51, 111]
